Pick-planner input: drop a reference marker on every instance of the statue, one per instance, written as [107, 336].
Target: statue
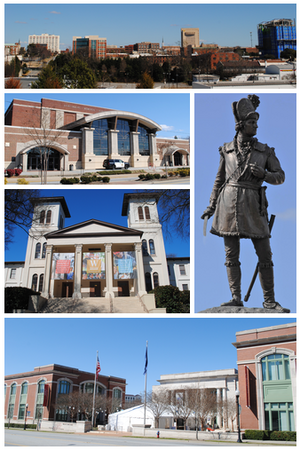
[238, 201]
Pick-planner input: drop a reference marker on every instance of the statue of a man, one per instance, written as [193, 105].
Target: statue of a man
[239, 204]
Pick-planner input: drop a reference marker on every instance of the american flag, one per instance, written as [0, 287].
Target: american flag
[98, 368]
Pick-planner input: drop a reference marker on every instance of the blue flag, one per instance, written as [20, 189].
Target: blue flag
[146, 361]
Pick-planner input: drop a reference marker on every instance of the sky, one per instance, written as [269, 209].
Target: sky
[101, 204]
[123, 24]
[214, 125]
[170, 111]
[174, 345]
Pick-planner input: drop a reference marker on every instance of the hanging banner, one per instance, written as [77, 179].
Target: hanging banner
[247, 380]
[124, 265]
[93, 266]
[62, 266]
[46, 394]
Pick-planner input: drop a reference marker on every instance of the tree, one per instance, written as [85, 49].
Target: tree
[228, 407]
[47, 79]
[146, 82]
[12, 83]
[158, 403]
[181, 405]
[288, 53]
[18, 211]
[204, 404]
[77, 75]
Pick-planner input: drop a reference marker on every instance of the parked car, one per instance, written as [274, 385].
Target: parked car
[115, 164]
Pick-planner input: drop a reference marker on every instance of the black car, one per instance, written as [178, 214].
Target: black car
[115, 164]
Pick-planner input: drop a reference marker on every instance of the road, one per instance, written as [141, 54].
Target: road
[34, 438]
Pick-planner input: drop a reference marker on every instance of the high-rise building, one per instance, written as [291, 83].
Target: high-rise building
[50, 40]
[94, 46]
[276, 36]
[189, 36]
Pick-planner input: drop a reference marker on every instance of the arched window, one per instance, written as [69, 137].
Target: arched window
[141, 213]
[12, 399]
[155, 280]
[144, 148]
[116, 399]
[34, 282]
[40, 399]
[144, 247]
[123, 137]
[61, 414]
[152, 247]
[23, 400]
[37, 250]
[147, 212]
[48, 217]
[42, 216]
[100, 134]
[41, 282]
[88, 388]
[44, 250]
[276, 367]
[64, 387]
[148, 282]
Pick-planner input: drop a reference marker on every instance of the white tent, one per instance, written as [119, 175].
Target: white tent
[126, 419]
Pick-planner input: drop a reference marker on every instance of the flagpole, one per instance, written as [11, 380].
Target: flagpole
[145, 395]
[93, 413]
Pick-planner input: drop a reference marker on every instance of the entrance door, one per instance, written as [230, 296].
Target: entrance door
[67, 290]
[95, 289]
[177, 159]
[123, 288]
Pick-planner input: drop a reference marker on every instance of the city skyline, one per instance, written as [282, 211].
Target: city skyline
[236, 24]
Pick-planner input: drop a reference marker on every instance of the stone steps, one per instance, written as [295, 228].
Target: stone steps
[94, 305]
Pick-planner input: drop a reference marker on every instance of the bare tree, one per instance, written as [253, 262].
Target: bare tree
[158, 403]
[205, 405]
[229, 412]
[180, 405]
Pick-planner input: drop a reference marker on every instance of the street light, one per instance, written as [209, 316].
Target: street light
[26, 408]
[237, 395]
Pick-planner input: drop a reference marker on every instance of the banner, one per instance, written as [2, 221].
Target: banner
[124, 265]
[93, 266]
[46, 394]
[62, 266]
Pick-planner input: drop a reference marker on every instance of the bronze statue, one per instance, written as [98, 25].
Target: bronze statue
[238, 201]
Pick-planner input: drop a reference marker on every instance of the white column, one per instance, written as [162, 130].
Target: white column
[134, 148]
[113, 144]
[153, 150]
[108, 270]
[140, 269]
[88, 141]
[48, 264]
[24, 161]
[219, 399]
[77, 272]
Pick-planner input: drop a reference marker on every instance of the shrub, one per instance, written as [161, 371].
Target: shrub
[22, 181]
[157, 175]
[5, 181]
[257, 435]
[282, 436]
[66, 181]
[85, 179]
[149, 176]
[171, 174]
[171, 298]
[183, 172]
[17, 298]
[142, 176]
[21, 425]
[105, 179]
[18, 172]
[10, 172]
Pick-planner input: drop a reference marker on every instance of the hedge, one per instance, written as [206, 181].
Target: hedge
[171, 298]
[21, 425]
[267, 435]
[17, 298]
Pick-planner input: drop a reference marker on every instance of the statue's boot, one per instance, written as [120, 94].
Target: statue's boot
[234, 280]
[266, 277]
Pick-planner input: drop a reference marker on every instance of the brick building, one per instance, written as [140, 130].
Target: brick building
[266, 359]
[38, 391]
[83, 136]
[94, 46]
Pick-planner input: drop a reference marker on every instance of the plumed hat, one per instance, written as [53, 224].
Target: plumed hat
[245, 109]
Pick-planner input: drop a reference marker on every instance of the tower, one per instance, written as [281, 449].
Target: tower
[142, 214]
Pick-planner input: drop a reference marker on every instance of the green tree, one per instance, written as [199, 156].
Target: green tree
[47, 79]
[288, 53]
[146, 82]
[77, 75]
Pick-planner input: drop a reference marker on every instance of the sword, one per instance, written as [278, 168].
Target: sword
[271, 223]
[205, 225]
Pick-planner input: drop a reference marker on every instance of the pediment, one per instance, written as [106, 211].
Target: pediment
[93, 228]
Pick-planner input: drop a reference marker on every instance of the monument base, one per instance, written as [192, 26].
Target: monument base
[238, 310]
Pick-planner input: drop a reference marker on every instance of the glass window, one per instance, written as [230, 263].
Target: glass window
[23, 400]
[12, 398]
[42, 217]
[155, 280]
[48, 217]
[41, 283]
[40, 399]
[144, 148]
[144, 247]
[147, 212]
[117, 393]
[64, 387]
[100, 134]
[141, 213]
[182, 269]
[185, 287]
[34, 282]
[13, 273]
[152, 247]
[123, 137]
[44, 250]
[37, 250]
[275, 367]
[148, 282]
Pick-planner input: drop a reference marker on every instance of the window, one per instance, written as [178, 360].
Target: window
[44, 250]
[141, 213]
[40, 399]
[144, 148]
[12, 398]
[88, 388]
[34, 282]
[185, 287]
[37, 250]
[147, 212]
[155, 280]
[117, 393]
[182, 269]
[123, 137]
[41, 282]
[13, 273]
[48, 217]
[42, 217]
[152, 247]
[100, 134]
[148, 282]
[276, 367]
[64, 387]
[144, 247]
[23, 400]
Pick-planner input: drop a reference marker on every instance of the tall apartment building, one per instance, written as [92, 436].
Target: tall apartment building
[275, 36]
[50, 40]
[190, 36]
[94, 45]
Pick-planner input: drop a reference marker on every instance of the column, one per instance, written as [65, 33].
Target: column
[77, 272]
[88, 157]
[219, 399]
[49, 250]
[153, 150]
[108, 270]
[113, 144]
[24, 161]
[134, 149]
[140, 269]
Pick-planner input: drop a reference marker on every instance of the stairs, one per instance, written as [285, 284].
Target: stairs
[97, 305]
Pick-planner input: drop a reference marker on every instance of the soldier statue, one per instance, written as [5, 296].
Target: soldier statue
[238, 201]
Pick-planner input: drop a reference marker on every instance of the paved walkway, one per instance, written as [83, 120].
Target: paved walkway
[94, 305]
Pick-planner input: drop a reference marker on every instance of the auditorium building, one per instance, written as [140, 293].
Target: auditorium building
[81, 137]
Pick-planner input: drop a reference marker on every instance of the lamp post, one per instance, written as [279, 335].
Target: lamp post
[26, 408]
[237, 396]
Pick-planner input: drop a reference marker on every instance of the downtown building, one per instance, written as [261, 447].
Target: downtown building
[275, 36]
[83, 136]
[92, 46]
[36, 395]
[50, 40]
